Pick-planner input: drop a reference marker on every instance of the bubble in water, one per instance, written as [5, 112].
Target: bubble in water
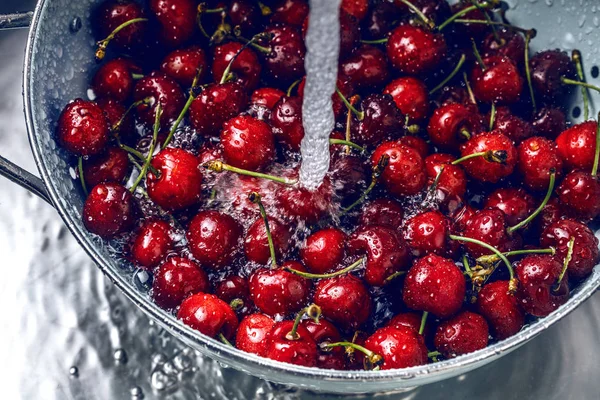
[75, 25]
[74, 372]
[120, 356]
[136, 393]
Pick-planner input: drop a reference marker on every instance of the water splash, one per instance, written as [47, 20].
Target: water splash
[323, 47]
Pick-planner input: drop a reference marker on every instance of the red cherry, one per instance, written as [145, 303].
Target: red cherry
[549, 122]
[414, 50]
[538, 156]
[385, 212]
[252, 333]
[461, 217]
[538, 276]
[455, 95]
[506, 43]
[285, 61]
[246, 68]
[410, 320]
[349, 34]
[152, 243]
[420, 145]
[487, 171]
[324, 333]
[349, 172]
[213, 238]
[160, 89]
[176, 279]
[489, 226]
[114, 79]
[344, 300]
[111, 166]
[299, 351]
[515, 203]
[380, 20]
[501, 309]
[209, 315]
[266, 97]
[357, 8]
[411, 96]
[405, 172]
[324, 250]
[512, 126]
[279, 292]
[180, 182]
[116, 113]
[247, 143]
[400, 347]
[183, 65]
[176, 20]
[291, 12]
[286, 120]
[256, 245]
[210, 152]
[385, 250]
[233, 288]
[305, 205]
[246, 14]
[579, 193]
[465, 333]
[427, 233]
[109, 210]
[500, 82]
[382, 119]
[112, 14]
[452, 124]
[366, 68]
[83, 128]
[577, 146]
[547, 70]
[436, 285]
[452, 184]
[216, 104]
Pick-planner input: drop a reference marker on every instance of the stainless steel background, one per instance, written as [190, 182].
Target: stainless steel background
[66, 333]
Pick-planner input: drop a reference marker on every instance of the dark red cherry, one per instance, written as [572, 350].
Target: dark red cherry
[256, 245]
[286, 120]
[285, 61]
[405, 172]
[577, 146]
[417, 143]
[579, 193]
[324, 333]
[111, 14]
[248, 143]
[233, 288]
[83, 128]
[349, 34]
[547, 70]
[116, 114]
[453, 124]
[279, 292]
[515, 203]
[176, 20]
[301, 350]
[538, 292]
[469, 30]
[436, 285]
[176, 279]
[109, 210]
[488, 171]
[152, 243]
[461, 217]
[114, 79]
[380, 20]
[465, 333]
[585, 247]
[344, 300]
[500, 82]
[382, 119]
[209, 315]
[410, 320]
[427, 233]
[385, 212]
[538, 156]
[400, 347]
[246, 14]
[266, 97]
[366, 68]
[501, 309]
[411, 96]
[488, 226]
[350, 173]
[507, 43]
[291, 12]
[302, 204]
[415, 50]
[179, 184]
[511, 126]
[160, 89]
[385, 250]
[436, 10]
[324, 250]
[452, 184]
[110, 166]
[213, 238]
[357, 8]
[252, 333]
[216, 104]
[454, 95]
[246, 68]
[210, 152]
[183, 65]
[549, 122]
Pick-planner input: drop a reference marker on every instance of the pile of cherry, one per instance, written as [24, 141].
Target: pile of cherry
[455, 210]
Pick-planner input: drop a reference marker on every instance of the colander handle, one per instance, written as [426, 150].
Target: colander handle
[24, 179]
[15, 20]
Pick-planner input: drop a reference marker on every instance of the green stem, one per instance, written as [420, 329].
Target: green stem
[433, 354]
[488, 19]
[341, 272]
[469, 89]
[103, 44]
[492, 24]
[144, 169]
[394, 276]
[462, 12]
[540, 208]
[359, 114]
[423, 322]
[236, 304]
[313, 311]
[419, 13]
[223, 339]
[377, 171]
[219, 166]
[488, 247]
[495, 156]
[137, 77]
[568, 81]
[375, 41]
[81, 177]
[466, 265]
[528, 72]
[372, 360]
[456, 70]
[292, 86]
[597, 154]
[492, 116]
[256, 199]
[566, 262]
[478, 55]
[116, 127]
[185, 109]
[493, 258]
[347, 143]
[576, 56]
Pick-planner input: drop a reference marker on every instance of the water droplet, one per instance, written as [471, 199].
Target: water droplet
[75, 25]
[136, 393]
[120, 356]
[74, 372]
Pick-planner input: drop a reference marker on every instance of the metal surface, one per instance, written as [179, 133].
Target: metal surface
[15, 20]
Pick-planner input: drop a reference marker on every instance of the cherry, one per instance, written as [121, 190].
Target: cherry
[585, 248]
[349, 34]
[455, 95]
[176, 279]
[497, 81]
[162, 90]
[538, 276]
[452, 124]
[414, 50]
[469, 30]
[266, 97]
[108, 210]
[435, 285]
[552, 212]
[303, 204]
[83, 128]
[111, 14]
[183, 65]
[427, 233]
[506, 43]
[400, 347]
[152, 243]
[114, 79]
[547, 70]
[410, 320]
[379, 118]
[300, 350]
[465, 333]
[118, 118]
[513, 127]
[345, 301]
[252, 333]
[452, 183]
[256, 245]
[246, 14]
[286, 120]
[515, 203]
[233, 288]
[411, 96]
[324, 333]
[489, 226]
[280, 292]
[247, 143]
[489, 171]
[538, 156]
[110, 166]
[208, 314]
[405, 172]
[349, 172]
[324, 250]
[579, 193]
[577, 146]
[284, 62]
[380, 20]
[435, 10]
[461, 217]
[357, 8]
[179, 184]
[213, 238]
[291, 12]
[246, 67]
[417, 143]
[385, 250]
[216, 104]
[384, 212]
[549, 122]
[176, 20]
[501, 309]
[366, 68]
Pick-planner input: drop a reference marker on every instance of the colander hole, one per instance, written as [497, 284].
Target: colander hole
[595, 71]
[576, 112]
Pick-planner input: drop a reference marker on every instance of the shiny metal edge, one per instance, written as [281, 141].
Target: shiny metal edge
[275, 371]
[15, 20]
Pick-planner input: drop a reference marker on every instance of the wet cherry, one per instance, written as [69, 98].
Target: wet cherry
[411, 96]
[252, 333]
[538, 156]
[247, 143]
[246, 68]
[501, 309]
[114, 79]
[110, 166]
[427, 233]
[515, 203]
[577, 146]
[176, 20]
[345, 301]
[176, 279]
[108, 210]
[83, 128]
[489, 171]
[400, 347]
[152, 243]
[162, 90]
[216, 104]
[256, 246]
[384, 212]
[465, 333]
[209, 315]
[405, 172]
[414, 50]
[324, 250]
[183, 65]
[214, 238]
[499, 82]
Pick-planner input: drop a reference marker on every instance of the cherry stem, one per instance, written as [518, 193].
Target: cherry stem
[256, 199]
[493, 156]
[347, 143]
[466, 265]
[264, 9]
[359, 114]
[492, 116]
[394, 276]
[262, 49]
[493, 24]
[292, 86]
[137, 77]
[377, 171]
[146, 165]
[313, 312]
[372, 359]
[341, 272]
[489, 247]
[528, 72]
[423, 322]
[597, 154]
[134, 152]
[219, 166]
[469, 90]
[478, 55]
[456, 70]
[462, 12]
[493, 258]
[226, 74]
[223, 339]
[566, 262]
[419, 13]
[488, 19]
[568, 81]
[236, 304]
[185, 109]
[148, 100]
[576, 57]
[81, 177]
[375, 41]
[103, 44]
[434, 355]
[540, 208]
